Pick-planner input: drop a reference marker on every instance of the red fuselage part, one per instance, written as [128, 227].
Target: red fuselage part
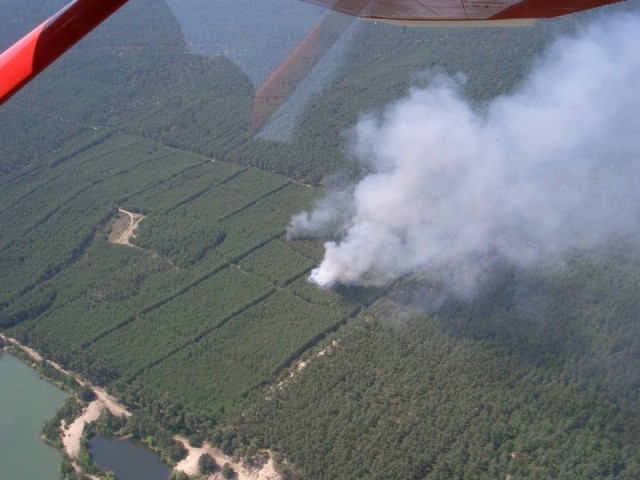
[39, 48]
[541, 9]
[459, 12]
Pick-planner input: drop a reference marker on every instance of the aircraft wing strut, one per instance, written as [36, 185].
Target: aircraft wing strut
[44, 44]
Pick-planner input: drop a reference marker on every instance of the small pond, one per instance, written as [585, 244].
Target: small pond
[127, 459]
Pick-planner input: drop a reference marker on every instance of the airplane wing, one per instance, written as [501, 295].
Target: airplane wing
[459, 12]
[38, 49]
[44, 44]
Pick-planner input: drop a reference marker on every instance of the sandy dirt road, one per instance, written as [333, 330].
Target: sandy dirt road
[124, 227]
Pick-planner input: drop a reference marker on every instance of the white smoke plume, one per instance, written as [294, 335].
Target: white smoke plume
[551, 167]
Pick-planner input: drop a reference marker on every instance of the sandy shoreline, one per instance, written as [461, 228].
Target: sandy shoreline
[72, 433]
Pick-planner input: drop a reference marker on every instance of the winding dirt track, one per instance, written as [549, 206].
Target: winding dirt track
[118, 235]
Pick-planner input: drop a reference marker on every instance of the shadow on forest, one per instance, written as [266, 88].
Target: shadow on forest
[579, 320]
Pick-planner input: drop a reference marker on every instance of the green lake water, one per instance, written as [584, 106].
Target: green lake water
[27, 402]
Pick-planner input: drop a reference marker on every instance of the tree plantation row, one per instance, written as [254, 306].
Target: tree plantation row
[211, 287]
[206, 324]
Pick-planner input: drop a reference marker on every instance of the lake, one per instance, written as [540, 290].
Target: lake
[27, 403]
[127, 460]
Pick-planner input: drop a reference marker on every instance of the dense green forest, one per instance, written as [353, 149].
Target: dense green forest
[207, 326]
[119, 66]
[133, 77]
[212, 262]
[537, 379]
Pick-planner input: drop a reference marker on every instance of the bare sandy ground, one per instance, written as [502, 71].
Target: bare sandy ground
[301, 364]
[124, 227]
[73, 433]
[110, 403]
[32, 353]
[189, 465]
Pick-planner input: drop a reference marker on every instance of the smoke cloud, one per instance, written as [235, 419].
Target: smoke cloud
[455, 188]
